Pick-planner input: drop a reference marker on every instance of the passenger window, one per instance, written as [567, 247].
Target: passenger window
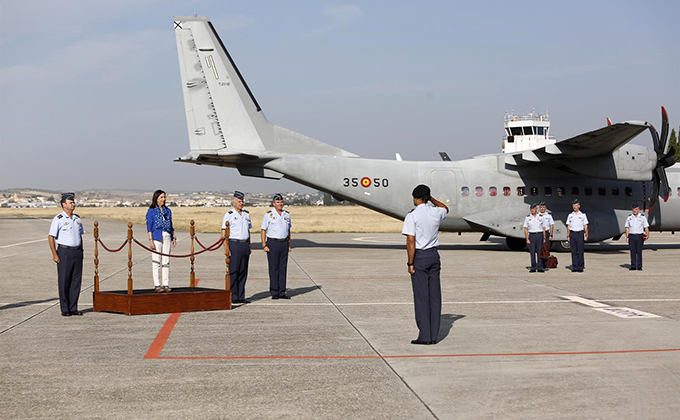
[534, 191]
[601, 191]
[464, 191]
[574, 190]
[615, 190]
[678, 191]
[560, 191]
[493, 191]
[629, 191]
[520, 191]
[479, 191]
[589, 190]
[506, 191]
[548, 191]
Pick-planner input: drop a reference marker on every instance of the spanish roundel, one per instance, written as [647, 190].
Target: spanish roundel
[365, 182]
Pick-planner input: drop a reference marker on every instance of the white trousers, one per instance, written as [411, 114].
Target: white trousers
[160, 263]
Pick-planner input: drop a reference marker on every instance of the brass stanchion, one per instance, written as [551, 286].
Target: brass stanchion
[96, 257]
[129, 238]
[192, 276]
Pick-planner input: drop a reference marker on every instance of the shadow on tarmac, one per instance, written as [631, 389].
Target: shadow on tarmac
[26, 303]
[291, 292]
[447, 321]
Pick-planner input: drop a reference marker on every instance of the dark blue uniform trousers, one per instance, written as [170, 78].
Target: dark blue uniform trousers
[427, 294]
[535, 243]
[238, 268]
[278, 266]
[635, 242]
[576, 243]
[70, 274]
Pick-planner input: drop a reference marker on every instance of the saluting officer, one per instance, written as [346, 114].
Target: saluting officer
[577, 234]
[549, 224]
[534, 232]
[238, 246]
[421, 228]
[66, 243]
[637, 230]
[275, 235]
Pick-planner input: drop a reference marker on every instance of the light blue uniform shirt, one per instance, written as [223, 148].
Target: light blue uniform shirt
[636, 225]
[67, 231]
[239, 224]
[423, 223]
[277, 226]
[534, 223]
[577, 221]
[547, 220]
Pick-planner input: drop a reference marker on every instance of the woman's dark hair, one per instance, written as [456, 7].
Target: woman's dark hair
[154, 201]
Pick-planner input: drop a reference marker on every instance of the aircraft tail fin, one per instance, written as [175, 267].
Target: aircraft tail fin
[223, 116]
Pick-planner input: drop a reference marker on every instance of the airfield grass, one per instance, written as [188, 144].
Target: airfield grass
[306, 219]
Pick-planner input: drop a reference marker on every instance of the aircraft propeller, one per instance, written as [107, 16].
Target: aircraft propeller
[661, 186]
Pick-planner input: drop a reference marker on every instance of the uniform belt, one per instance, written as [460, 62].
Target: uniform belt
[277, 239]
[635, 234]
[577, 231]
[540, 231]
[238, 240]
[70, 247]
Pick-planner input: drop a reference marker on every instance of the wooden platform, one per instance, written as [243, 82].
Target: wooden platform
[181, 299]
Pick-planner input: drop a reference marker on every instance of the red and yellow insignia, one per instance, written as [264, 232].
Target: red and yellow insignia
[365, 182]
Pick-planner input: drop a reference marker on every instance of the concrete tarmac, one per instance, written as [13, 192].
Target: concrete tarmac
[513, 344]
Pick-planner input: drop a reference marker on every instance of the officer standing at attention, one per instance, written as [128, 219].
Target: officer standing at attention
[421, 228]
[549, 224]
[637, 230]
[66, 243]
[238, 247]
[275, 235]
[577, 234]
[534, 232]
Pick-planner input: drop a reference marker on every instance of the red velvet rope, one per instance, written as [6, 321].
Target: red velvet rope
[212, 247]
[111, 250]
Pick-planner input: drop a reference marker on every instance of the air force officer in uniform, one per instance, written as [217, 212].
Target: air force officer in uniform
[577, 234]
[534, 232]
[275, 235]
[421, 228]
[637, 230]
[66, 242]
[238, 246]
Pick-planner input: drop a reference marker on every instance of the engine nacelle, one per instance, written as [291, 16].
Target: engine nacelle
[628, 163]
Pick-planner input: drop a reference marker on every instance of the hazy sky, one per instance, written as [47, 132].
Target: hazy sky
[90, 90]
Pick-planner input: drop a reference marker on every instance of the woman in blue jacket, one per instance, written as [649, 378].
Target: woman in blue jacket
[161, 235]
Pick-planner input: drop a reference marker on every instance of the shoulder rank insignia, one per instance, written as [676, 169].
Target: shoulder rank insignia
[269, 211]
[59, 216]
[231, 211]
[245, 210]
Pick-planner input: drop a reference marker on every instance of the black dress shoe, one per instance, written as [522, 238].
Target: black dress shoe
[284, 297]
[66, 314]
[419, 342]
[77, 313]
[432, 342]
[245, 301]
[533, 270]
[632, 269]
[275, 297]
[541, 271]
[580, 271]
[640, 269]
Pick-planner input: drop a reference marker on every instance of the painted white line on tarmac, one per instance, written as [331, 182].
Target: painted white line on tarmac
[23, 243]
[587, 302]
[627, 313]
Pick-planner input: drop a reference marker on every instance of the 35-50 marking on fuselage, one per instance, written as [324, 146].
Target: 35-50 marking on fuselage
[365, 182]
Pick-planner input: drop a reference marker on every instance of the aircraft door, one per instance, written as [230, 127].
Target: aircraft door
[443, 186]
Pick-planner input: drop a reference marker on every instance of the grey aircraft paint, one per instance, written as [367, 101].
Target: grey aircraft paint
[228, 128]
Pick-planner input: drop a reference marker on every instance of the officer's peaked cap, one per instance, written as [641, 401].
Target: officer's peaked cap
[239, 195]
[68, 196]
[421, 191]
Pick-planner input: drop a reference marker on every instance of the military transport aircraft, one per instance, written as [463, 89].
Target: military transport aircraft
[227, 128]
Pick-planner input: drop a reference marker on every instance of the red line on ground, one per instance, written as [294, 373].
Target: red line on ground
[406, 356]
[156, 347]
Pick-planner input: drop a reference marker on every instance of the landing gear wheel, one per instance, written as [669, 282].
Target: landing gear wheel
[516, 244]
[561, 246]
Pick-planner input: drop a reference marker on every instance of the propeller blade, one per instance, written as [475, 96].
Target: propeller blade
[664, 129]
[667, 160]
[664, 188]
[655, 140]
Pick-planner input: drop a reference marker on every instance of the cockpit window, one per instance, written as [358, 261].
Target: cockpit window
[527, 131]
[516, 131]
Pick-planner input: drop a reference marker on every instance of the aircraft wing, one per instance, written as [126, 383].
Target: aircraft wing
[593, 143]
